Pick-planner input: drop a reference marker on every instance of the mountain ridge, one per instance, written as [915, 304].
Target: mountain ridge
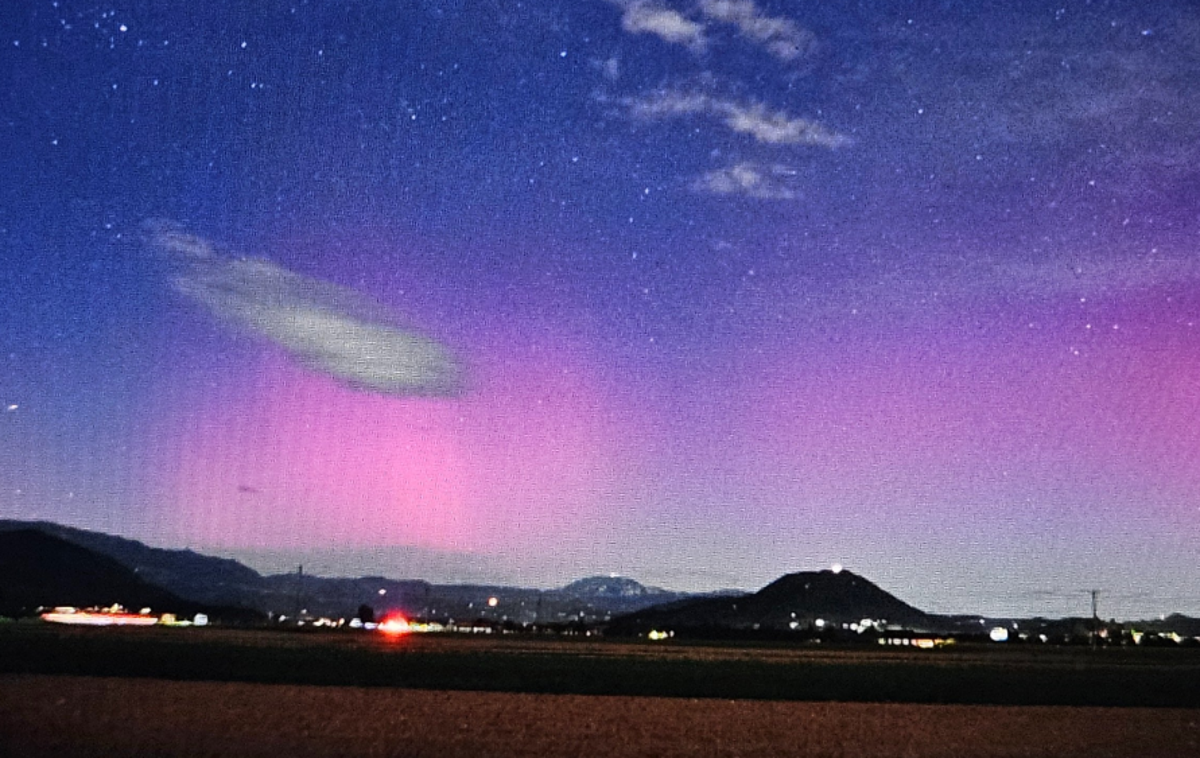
[39, 569]
[805, 601]
[224, 581]
[620, 604]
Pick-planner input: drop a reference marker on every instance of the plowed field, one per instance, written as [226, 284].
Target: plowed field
[44, 715]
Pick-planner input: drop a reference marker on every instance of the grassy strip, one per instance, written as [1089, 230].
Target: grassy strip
[1074, 678]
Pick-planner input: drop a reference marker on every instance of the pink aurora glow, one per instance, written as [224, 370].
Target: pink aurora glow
[901, 429]
[1024, 430]
[295, 459]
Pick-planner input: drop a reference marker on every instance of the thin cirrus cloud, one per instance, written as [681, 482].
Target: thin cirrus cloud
[670, 25]
[755, 119]
[749, 179]
[331, 329]
[781, 37]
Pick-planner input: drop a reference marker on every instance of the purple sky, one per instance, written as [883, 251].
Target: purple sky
[700, 293]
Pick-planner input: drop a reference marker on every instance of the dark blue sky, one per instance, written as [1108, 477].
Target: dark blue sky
[700, 292]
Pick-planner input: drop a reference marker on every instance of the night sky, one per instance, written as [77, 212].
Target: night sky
[697, 292]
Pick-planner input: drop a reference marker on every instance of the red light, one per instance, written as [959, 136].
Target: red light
[395, 625]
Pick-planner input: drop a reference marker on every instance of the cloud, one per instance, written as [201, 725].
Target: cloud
[667, 104]
[649, 17]
[781, 37]
[331, 329]
[749, 179]
[776, 128]
[755, 119]
[1110, 100]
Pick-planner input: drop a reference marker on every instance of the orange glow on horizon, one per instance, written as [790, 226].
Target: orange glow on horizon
[103, 618]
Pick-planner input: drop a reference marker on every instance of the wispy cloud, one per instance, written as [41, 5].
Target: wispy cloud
[755, 119]
[777, 128]
[642, 17]
[781, 37]
[749, 179]
[331, 329]
[667, 104]
[701, 25]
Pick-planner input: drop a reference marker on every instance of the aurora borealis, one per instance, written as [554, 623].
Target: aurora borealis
[696, 292]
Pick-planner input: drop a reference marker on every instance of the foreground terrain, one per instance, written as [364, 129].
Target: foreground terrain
[204, 692]
[79, 716]
[960, 674]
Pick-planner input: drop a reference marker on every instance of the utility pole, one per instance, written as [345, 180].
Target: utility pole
[299, 591]
[1095, 615]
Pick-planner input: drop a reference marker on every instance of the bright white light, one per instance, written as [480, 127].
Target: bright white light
[837, 568]
[998, 634]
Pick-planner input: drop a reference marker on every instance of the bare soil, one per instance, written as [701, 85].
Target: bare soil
[44, 715]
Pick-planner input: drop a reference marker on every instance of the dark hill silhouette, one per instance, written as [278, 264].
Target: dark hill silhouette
[39, 569]
[199, 578]
[792, 603]
[222, 581]
[212, 581]
[224, 588]
[838, 596]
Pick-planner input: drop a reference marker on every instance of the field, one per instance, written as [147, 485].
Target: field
[79, 716]
[979, 675]
[221, 692]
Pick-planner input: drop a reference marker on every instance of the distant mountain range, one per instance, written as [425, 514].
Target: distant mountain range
[43, 563]
[208, 580]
